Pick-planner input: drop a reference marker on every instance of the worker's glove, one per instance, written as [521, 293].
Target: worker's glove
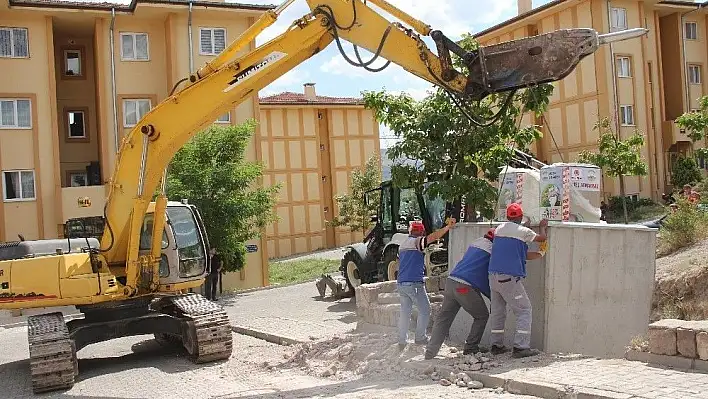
[543, 247]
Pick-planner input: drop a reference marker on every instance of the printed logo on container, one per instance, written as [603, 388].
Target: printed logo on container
[254, 69]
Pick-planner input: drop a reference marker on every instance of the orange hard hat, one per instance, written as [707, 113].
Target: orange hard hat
[416, 226]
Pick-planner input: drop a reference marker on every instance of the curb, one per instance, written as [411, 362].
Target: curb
[272, 338]
[538, 389]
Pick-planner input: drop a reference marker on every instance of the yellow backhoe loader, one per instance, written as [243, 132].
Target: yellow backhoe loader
[134, 280]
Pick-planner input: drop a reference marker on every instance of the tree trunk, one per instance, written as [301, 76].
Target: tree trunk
[624, 200]
[470, 213]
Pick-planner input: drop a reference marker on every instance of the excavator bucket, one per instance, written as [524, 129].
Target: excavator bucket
[338, 286]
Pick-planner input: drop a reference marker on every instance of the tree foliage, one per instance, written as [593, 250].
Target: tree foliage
[616, 157]
[685, 171]
[353, 211]
[695, 124]
[212, 172]
[457, 157]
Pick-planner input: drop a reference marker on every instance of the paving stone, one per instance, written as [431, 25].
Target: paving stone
[662, 341]
[702, 345]
[686, 343]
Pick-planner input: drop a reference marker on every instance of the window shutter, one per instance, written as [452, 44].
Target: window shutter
[205, 45]
[20, 42]
[5, 43]
[141, 46]
[219, 40]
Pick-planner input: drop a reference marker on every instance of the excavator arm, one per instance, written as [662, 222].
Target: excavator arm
[228, 80]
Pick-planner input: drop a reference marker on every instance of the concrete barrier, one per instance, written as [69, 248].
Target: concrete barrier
[591, 293]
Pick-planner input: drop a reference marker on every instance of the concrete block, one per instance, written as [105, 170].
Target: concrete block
[702, 345]
[662, 341]
[432, 285]
[686, 342]
[697, 325]
[388, 297]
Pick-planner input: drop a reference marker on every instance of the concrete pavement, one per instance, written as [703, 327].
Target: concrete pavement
[296, 312]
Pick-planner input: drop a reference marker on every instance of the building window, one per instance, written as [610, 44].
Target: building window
[623, 67]
[15, 114]
[72, 63]
[77, 124]
[212, 41]
[627, 115]
[619, 18]
[18, 185]
[694, 74]
[691, 31]
[78, 179]
[225, 118]
[14, 42]
[134, 47]
[134, 110]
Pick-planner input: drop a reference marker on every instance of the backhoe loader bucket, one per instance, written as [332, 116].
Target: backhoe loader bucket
[338, 286]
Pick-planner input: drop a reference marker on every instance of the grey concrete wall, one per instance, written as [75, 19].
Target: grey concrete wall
[590, 294]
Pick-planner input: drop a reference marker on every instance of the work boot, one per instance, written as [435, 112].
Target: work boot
[498, 350]
[424, 341]
[519, 353]
[475, 349]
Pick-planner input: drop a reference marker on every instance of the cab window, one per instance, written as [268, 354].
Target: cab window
[146, 233]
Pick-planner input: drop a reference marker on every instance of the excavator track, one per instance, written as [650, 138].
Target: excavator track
[53, 362]
[207, 337]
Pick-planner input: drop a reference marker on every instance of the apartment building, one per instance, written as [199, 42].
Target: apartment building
[643, 83]
[323, 139]
[78, 76]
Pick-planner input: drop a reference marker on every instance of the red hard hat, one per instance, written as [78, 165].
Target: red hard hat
[514, 211]
[416, 226]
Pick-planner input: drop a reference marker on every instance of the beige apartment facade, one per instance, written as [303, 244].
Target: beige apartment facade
[323, 139]
[643, 83]
[78, 76]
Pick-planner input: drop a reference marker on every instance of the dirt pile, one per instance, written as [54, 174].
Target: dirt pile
[680, 287]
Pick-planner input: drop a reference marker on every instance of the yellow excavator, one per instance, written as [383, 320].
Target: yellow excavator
[135, 279]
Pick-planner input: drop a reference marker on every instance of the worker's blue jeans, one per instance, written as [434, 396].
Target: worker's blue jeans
[410, 293]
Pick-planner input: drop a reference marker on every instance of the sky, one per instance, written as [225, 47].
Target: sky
[333, 76]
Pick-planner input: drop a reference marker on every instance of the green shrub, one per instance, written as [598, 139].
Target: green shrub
[639, 209]
[685, 171]
[683, 228]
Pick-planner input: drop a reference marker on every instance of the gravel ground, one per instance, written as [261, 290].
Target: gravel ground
[137, 367]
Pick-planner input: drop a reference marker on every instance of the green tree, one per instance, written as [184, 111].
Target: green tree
[212, 172]
[354, 212]
[695, 124]
[685, 171]
[455, 156]
[617, 158]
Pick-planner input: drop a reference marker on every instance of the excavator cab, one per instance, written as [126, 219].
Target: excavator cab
[185, 245]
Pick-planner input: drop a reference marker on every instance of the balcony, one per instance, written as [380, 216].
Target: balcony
[83, 201]
[672, 134]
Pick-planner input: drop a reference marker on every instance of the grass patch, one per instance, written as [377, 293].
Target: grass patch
[637, 214]
[300, 271]
[683, 228]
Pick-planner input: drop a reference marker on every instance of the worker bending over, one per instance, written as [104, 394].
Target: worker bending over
[465, 285]
[411, 287]
[507, 267]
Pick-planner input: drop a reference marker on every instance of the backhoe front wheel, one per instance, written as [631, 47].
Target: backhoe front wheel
[390, 260]
[352, 271]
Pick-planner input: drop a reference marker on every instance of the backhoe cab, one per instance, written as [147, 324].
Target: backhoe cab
[376, 258]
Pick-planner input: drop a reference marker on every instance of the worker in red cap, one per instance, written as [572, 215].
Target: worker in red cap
[507, 267]
[411, 271]
[464, 287]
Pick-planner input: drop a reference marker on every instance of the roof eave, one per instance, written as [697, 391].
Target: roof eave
[129, 8]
